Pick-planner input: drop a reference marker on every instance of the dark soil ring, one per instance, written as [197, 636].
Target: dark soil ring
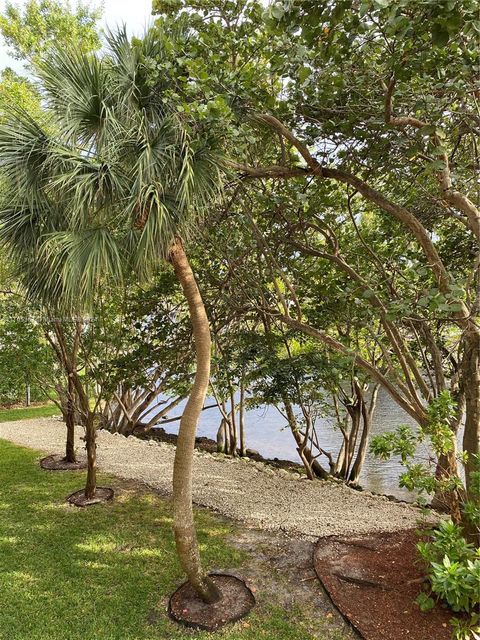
[58, 463]
[188, 609]
[102, 494]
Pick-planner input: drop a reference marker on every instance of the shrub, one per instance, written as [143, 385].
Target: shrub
[454, 574]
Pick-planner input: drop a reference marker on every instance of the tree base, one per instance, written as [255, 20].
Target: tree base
[59, 463]
[187, 608]
[102, 494]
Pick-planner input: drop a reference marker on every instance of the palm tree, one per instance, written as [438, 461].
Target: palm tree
[112, 181]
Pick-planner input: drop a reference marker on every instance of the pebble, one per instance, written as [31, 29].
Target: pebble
[232, 486]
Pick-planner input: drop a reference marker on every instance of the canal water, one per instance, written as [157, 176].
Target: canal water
[267, 433]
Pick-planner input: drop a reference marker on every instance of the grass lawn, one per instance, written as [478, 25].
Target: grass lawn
[23, 413]
[102, 573]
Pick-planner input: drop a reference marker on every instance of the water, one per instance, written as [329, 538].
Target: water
[267, 433]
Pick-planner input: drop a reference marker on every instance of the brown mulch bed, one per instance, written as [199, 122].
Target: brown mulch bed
[102, 494]
[237, 600]
[374, 580]
[58, 463]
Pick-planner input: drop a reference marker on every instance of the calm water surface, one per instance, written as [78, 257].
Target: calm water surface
[266, 432]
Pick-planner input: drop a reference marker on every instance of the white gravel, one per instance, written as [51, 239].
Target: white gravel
[247, 491]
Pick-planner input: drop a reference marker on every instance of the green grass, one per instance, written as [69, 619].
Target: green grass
[102, 573]
[23, 413]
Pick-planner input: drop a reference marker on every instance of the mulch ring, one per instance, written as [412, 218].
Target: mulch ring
[102, 494]
[188, 609]
[58, 463]
[373, 580]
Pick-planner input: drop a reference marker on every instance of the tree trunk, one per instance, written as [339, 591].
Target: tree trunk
[233, 425]
[447, 467]
[226, 429]
[70, 422]
[471, 389]
[312, 466]
[355, 412]
[221, 437]
[367, 415]
[470, 371]
[183, 522]
[91, 445]
[88, 421]
[241, 418]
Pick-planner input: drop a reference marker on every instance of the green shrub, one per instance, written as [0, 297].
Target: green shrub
[453, 564]
[453, 573]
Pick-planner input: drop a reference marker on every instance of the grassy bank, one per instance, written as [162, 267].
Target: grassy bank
[102, 573]
[24, 413]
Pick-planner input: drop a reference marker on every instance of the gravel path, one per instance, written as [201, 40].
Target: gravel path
[247, 491]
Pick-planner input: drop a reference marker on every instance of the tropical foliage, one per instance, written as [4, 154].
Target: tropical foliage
[318, 163]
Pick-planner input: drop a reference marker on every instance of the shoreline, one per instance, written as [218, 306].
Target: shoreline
[244, 490]
[208, 445]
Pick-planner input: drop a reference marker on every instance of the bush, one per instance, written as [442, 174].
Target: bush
[453, 563]
[454, 574]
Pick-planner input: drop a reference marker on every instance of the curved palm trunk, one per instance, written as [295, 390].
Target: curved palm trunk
[183, 523]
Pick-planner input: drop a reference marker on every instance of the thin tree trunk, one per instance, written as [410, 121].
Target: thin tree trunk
[233, 425]
[356, 415]
[241, 418]
[183, 522]
[88, 421]
[91, 445]
[471, 439]
[447, 467]
[70, 422]
[471, 389]
[367, 415]
[312, 466]
[221, 437]
[226, 429]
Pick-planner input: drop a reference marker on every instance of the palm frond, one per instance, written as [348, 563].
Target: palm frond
[24, 144]
[111, 178]
[75, 87]
[76, 263]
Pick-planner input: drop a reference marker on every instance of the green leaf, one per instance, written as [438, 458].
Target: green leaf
[427, 130]
[437, 165]
[440, 35]
[277, 11]
[438, 151]
[304, 74]
[424, 602]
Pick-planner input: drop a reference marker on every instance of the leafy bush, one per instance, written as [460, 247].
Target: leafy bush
[454, 575]
[454, 567]
[453, 563]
